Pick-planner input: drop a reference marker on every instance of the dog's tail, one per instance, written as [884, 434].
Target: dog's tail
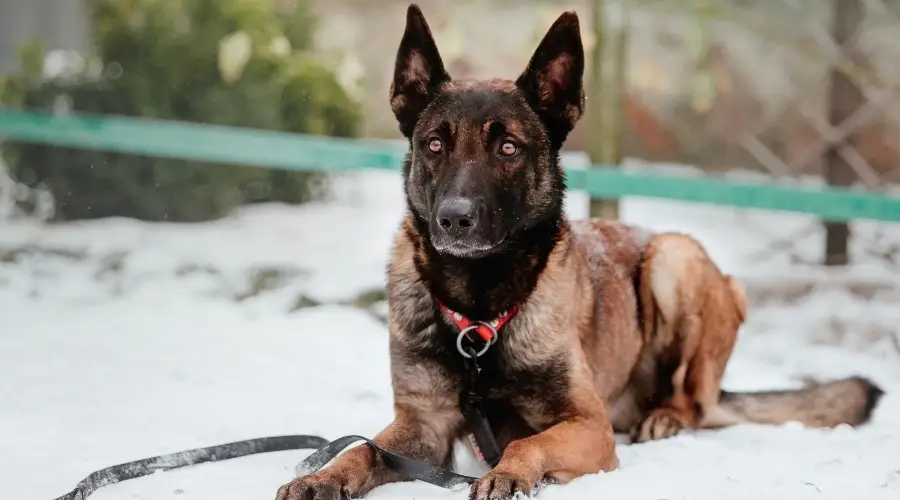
[845, 401]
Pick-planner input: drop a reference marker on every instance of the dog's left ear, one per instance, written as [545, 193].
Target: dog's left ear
[552, 81]
[418, 72]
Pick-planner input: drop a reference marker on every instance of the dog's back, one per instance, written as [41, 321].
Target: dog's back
[610, 246]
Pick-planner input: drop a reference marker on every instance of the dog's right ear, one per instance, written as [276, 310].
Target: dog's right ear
[418, 73]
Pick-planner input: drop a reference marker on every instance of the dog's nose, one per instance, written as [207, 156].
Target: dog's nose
[457, 216]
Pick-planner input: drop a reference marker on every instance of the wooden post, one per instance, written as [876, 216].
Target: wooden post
[845, 99]
[605, 104]
[596, 104]
[619, 90]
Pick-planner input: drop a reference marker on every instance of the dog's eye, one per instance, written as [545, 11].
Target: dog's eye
[508, 148]
[435, 145]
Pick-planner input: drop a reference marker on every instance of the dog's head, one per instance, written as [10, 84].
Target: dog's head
[483, 163]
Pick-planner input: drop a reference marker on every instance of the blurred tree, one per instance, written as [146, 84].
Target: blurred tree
[225, 62]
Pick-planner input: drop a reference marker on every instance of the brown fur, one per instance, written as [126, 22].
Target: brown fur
[618, 330]
[691, 315]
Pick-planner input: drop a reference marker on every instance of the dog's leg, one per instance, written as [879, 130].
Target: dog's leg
[706, 346]
[677, 409]
[415, 434]
[582, 443]
[699, 312]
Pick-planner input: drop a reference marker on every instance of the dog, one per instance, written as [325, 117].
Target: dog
[598, 327]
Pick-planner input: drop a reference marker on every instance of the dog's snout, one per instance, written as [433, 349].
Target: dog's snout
[458, 216]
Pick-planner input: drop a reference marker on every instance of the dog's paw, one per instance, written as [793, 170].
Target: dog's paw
[315, 487]
[497, 485]
[662, 423]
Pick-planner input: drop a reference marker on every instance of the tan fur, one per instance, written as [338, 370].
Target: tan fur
[691, 316]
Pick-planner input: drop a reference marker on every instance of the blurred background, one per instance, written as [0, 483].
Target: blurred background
[197, 200]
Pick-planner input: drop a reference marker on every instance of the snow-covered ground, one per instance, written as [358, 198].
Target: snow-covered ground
[121, 340]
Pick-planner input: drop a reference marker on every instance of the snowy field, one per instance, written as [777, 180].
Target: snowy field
[121, 340]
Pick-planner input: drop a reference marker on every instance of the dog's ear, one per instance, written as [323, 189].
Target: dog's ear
[418, 72]
[552, 81]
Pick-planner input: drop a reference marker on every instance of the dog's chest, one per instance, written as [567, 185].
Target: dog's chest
[520, 394]
[535, 395]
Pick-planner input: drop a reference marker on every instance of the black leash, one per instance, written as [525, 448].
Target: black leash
[327, 451]
[147, 466]
[471, 404]
[412, 469]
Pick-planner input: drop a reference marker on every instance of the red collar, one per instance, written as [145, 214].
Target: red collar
[485, 330]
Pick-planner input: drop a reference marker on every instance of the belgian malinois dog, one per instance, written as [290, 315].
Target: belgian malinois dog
[589, 328]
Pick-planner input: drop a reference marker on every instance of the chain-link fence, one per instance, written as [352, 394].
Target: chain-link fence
[801, 89]
[767, 86]
[791, 88]
[715, 84]
[787, 87]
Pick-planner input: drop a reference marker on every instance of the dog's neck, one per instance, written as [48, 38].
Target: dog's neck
[482, 288]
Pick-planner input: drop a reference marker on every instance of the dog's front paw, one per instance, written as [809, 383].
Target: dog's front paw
[662, 423]
[321, 486]
[496, 485]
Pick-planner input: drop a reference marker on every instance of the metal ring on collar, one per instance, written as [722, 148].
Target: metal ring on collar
[464, 332]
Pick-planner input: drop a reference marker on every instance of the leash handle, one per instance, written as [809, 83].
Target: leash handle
[147, 466]
[412, 469]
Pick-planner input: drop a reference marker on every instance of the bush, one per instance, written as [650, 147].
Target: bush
[180, 59]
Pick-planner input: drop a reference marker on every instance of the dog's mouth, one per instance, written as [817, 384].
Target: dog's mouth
[462, 249]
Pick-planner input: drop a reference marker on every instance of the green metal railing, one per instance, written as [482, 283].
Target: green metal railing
[280, 150]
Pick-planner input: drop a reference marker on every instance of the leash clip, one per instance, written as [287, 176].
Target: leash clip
[464, 334]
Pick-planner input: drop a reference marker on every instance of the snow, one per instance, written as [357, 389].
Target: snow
[121, 340]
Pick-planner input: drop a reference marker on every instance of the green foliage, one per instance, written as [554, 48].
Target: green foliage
[226, 62]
